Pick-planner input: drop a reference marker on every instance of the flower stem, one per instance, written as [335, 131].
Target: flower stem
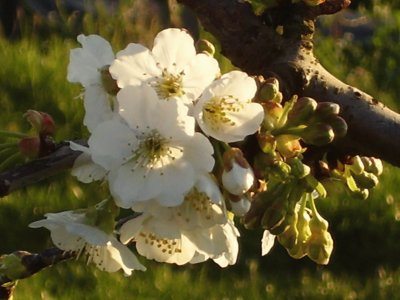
[12, 134]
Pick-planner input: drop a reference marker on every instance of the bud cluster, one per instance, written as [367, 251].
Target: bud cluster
[358, 175]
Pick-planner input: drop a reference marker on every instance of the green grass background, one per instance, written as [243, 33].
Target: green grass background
[364, 264]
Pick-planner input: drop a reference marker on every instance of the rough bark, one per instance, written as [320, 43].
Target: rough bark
[253, 44]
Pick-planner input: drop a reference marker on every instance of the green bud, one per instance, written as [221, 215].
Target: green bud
[269, 91]
[288, 238]
[356, 166]
[360, 194]
[303, 228]
[267, 142]
[206, 47]
[326, 109]
[320, 243]
[366, 180]
[302, 111]
[109, 83]
[272, 113]
[338, 124]
[372, 165]
[11, 266]
[318, 134]
[299, 170]
[288, 145]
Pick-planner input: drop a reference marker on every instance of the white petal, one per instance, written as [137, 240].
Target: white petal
[86, 171]
[267, 242]
[173, 49]
[134, 65]
[201, 71]
[131, 228]
[111, 142]
[235, 83]
[86, 61]
[97, 107]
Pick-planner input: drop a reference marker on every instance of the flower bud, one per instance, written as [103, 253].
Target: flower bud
[109, 83]
[356, 166]
[30, 147]
[372, 165]
[299, 170]
[269, 91]
[288, 238]
[241, 206]
[238, 176]
[288, 145]
[206, 47]
[338, 125]
[303, 227]
[302, 111]
[41, 122]
[318, 134]
[320, 243]
[272, 113]
[267, 142]
[326, 109]
[366, 180]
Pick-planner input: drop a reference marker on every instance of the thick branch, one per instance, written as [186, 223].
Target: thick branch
[252, 43]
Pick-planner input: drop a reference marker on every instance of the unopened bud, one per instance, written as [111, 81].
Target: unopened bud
[288, 238]
[338, 125]
[41, 122]
[372, 165]
[318, 134]
[272, 113]
[30, 147]
[288, 145]
[320, 243]
[238, 176]
[356, 166]
[206, 47]
[109, 83]
[299, 170]
[303, 227]
[267, 142]
[240, 207]
[326, 109]
[302, 111]
[269, 91]
[366, 180]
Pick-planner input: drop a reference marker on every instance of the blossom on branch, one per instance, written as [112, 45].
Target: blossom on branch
[172, 68]
[72, 231]
[225, 112]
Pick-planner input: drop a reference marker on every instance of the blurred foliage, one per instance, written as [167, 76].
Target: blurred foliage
[365, 262]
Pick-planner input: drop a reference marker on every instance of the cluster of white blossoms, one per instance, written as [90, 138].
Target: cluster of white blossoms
[154, 116]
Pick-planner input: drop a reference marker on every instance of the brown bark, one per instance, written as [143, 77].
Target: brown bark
[252, 43]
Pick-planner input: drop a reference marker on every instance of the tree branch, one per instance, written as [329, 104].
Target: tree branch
[61, 159]
[252, 43]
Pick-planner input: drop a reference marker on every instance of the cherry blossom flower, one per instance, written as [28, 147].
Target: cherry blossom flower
[85, 67]
[153, 153]
[70, 231]
[225, 112]
[172, 68]
[193, 232]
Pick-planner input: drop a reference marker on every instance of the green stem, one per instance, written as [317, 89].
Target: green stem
[11, 160]
[5, 133]
[8, 145]
[298, 130]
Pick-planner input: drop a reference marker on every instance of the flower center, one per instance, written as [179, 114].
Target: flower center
[154, 151]
[199, 202]
[169, 85]
[216, 111]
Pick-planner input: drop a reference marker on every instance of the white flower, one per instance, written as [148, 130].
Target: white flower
[85, 67]
[70, 232]
[193, 232]
[154, 154]
[172, 67]
[225, 111]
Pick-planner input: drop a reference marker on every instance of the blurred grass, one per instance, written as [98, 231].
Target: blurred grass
[364, 264]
